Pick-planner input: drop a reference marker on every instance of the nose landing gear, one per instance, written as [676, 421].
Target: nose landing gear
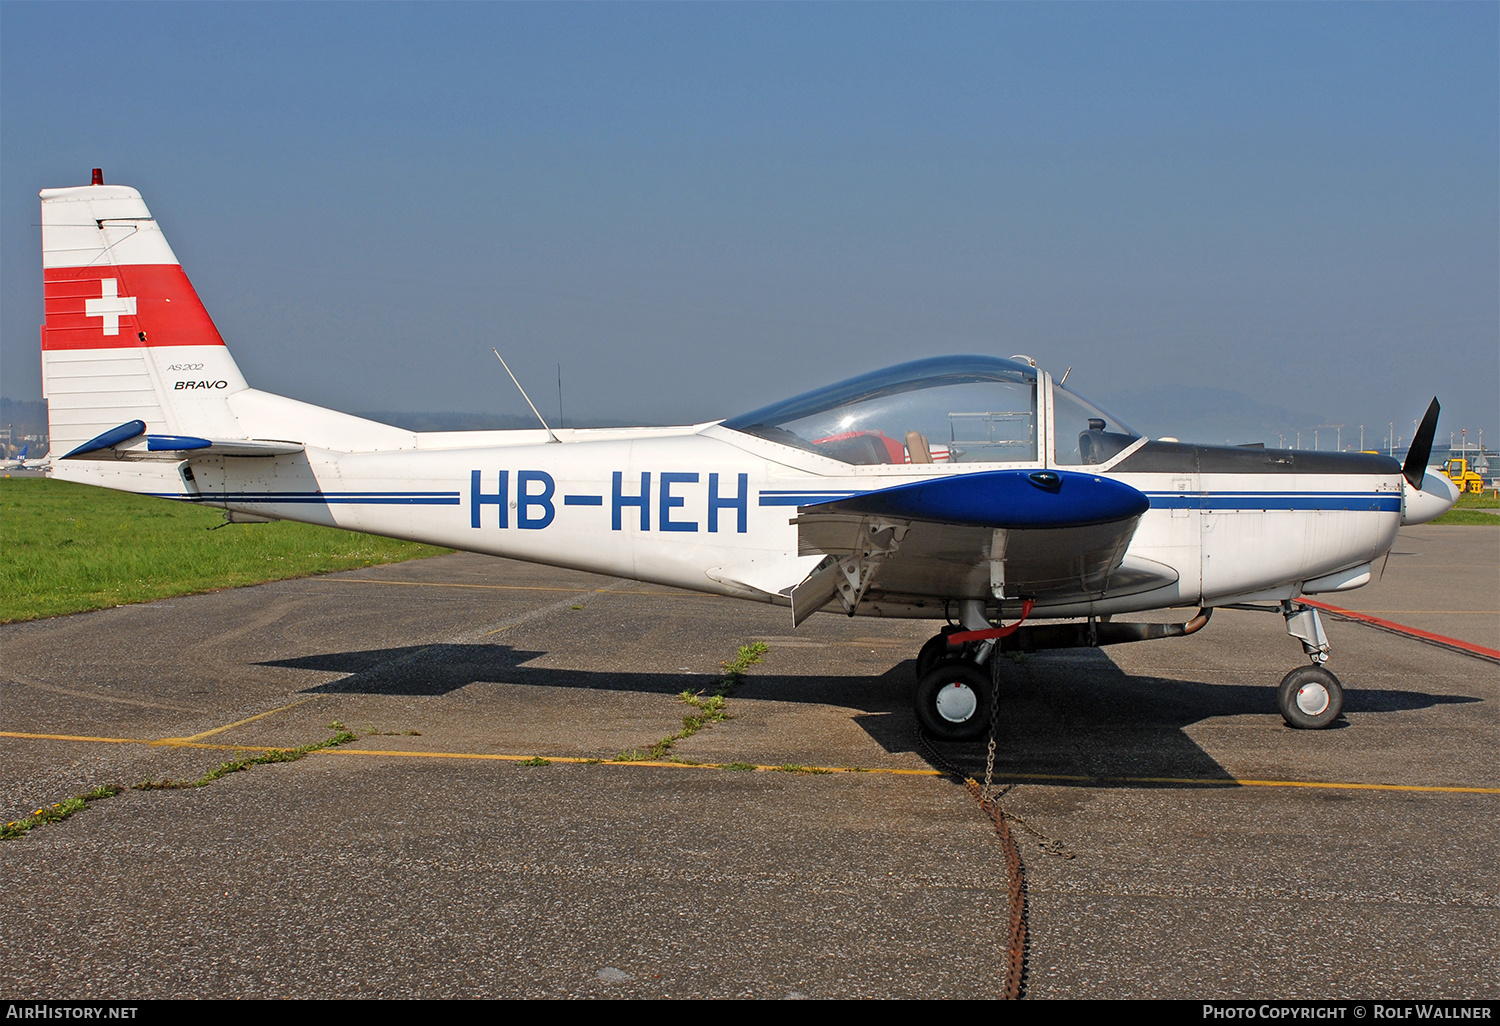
[1310, 698]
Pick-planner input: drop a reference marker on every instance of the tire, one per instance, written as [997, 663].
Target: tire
[953, 701]
[1310, 698]
[935, 651]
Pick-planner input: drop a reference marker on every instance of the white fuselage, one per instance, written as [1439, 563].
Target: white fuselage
[673, 506]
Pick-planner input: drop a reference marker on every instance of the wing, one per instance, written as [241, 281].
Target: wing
[1051, 535]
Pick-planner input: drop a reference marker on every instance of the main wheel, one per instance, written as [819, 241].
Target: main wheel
[1310, 698]
[953, 701]
[935, 651]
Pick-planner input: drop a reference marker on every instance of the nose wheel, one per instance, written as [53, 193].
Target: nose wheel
[1310, 698]
[953, 701]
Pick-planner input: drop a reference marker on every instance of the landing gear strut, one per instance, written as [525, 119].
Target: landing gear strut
[1310, 697]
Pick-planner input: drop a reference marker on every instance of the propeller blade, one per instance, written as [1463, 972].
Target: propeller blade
[1421, 447]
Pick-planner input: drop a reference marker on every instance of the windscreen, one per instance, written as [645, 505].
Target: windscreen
[1084, 433]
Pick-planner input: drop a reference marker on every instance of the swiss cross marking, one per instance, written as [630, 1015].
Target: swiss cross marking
[110, 306]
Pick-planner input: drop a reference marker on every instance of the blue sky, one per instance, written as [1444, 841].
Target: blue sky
[696, 209]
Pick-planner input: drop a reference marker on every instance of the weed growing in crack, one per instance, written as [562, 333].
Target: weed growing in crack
[707, 710]
[56, 812]
[341, 736]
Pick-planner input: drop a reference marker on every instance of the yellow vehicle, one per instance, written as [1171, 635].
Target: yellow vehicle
[1459, 473]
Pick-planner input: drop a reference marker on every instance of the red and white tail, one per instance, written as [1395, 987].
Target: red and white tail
[127, 340]
[126, 337]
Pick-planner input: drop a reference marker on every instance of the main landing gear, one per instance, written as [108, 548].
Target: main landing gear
[954, 700]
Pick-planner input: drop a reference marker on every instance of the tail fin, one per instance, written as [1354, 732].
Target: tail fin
[126, 337]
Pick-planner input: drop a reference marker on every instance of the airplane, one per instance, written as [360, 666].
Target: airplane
[20, 462]
[973, 490]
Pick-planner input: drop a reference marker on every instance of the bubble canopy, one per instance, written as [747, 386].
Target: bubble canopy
[949, 409]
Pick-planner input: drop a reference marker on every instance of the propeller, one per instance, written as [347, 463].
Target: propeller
[1425, 496]
[1415, 467]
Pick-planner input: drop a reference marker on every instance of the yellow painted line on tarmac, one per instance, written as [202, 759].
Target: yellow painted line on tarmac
[236, 723]
[73, 737]
[1103, 781]
[170, 742]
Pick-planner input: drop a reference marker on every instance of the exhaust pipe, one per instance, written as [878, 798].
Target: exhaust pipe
[1094, 634]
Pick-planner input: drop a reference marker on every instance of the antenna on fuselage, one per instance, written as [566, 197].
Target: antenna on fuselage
[550, 436]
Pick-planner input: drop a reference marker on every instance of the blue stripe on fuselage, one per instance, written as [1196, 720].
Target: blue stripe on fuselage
[326, 498]
[1384, 502]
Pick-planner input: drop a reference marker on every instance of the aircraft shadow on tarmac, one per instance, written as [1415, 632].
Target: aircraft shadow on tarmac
[1073, 714]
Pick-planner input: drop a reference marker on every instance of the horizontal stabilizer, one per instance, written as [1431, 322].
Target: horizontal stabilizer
[186, 445]
[130, 441]
[109, 439]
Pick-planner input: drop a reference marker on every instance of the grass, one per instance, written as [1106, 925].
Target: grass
[1467, 510]
[341, 736]
[1469, 517]
[59, 811]
[67, 548]
[708, 711]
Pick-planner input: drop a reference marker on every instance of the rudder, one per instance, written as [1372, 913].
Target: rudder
[126, 336]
